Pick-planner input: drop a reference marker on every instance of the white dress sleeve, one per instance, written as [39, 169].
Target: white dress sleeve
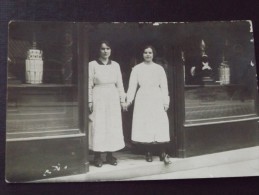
[133, 84]
[164, 87]
[119, 84]
[90, 81]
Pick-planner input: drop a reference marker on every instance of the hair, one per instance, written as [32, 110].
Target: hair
[151, 47]
[104, 42]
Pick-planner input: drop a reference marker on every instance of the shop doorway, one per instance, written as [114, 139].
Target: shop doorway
[127, 41]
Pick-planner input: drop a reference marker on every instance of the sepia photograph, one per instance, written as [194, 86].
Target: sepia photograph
[128, 101]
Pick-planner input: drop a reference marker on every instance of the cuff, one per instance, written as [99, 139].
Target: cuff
[90, 99]
[166, 100]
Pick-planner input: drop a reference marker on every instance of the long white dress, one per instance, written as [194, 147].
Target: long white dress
[106, 91]
[150, 121]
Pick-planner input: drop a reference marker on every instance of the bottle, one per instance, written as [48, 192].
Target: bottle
[224, 73]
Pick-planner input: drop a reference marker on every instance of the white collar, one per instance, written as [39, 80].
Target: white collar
[206, 66]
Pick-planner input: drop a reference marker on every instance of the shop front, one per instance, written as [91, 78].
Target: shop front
[211, 74]
[46, 119]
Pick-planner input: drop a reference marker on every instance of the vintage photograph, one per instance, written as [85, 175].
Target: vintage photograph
[131, 101]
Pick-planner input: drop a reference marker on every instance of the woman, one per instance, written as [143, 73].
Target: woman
[106, 97]
[150, 124]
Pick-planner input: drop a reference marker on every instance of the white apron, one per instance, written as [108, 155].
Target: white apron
[106, 92]
[150, 121]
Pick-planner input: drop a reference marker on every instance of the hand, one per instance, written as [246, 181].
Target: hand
[124, 106]
[90, 106]
[166, 107]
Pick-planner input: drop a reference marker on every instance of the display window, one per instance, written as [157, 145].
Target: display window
[219, 73]
[42, 81]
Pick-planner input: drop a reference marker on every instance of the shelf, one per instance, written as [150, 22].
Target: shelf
[220, 120]
[41, 85]
[43, 134]
[211, 85]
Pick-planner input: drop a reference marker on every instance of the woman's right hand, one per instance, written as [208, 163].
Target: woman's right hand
[166, 107]
[90, 106]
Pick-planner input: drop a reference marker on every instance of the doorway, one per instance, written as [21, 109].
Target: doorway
[127, 41]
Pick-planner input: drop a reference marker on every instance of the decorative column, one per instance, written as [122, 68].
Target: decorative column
[203, 47]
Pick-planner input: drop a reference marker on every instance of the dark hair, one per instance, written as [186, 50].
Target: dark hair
[104, 42]
[151, 47]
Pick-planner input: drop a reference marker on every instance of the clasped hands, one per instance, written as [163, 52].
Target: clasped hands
[124, 106]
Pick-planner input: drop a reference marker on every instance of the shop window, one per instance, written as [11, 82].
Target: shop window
[219, 75]
[42, 81]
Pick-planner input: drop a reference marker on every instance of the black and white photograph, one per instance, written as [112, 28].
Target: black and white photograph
[130, 101]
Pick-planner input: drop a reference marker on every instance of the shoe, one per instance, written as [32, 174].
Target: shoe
[164, 157]
[111, 160]
[98, 162]
[149, 157]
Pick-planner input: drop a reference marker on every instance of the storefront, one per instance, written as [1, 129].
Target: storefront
[47, 122]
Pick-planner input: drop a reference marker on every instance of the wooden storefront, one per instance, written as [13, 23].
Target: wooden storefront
[47, 123]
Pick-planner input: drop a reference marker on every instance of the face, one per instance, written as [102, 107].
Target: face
[105, 51]
[148, 55]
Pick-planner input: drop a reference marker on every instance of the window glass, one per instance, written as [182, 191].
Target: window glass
[219, 72]
[42, 80]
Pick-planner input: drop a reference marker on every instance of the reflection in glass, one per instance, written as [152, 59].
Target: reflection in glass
[226, 90]
[50, 105]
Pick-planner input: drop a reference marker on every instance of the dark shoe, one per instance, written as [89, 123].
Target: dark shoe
[149, 157]
[164, 157]
[111, 160]
[98, 162]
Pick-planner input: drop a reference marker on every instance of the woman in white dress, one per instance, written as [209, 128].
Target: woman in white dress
[150, 125]
[106, 98]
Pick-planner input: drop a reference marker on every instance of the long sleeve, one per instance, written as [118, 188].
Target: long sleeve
[164, 88]
[133, 84]
[119, 85]
[90, 82]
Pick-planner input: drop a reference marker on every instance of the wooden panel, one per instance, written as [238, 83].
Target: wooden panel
[213, 138]
[39, 159]
[44, 121]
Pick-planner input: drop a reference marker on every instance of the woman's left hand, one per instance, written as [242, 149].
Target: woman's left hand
[124, 106]
[166, 107]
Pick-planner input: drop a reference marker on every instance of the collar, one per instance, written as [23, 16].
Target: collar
[206, 66]
[101, 63]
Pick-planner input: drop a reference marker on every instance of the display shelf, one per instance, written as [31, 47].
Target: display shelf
[40, 85]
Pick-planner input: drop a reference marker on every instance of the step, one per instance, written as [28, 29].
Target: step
[132, 166]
